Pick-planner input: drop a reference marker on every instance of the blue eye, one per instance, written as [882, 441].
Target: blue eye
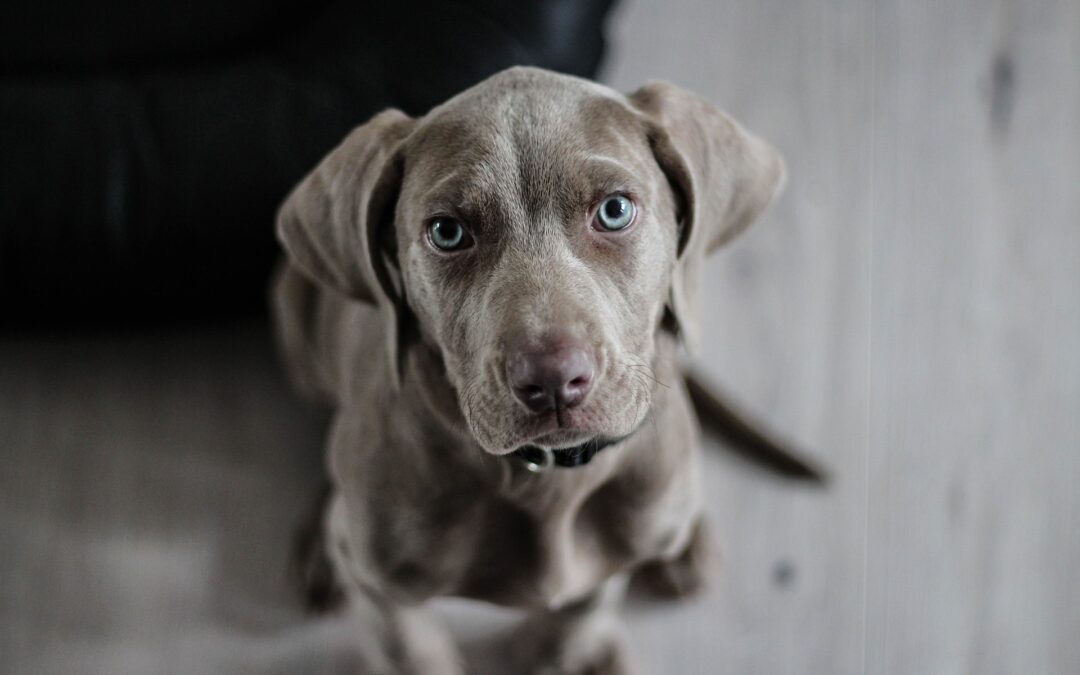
[447, 234]
[616, 212]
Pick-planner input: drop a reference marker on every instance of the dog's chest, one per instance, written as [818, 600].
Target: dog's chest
[540, 545]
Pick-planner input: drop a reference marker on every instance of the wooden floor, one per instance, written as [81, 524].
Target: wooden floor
[909, 310]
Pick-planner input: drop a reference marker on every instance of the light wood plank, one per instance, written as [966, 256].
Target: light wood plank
[974, 344]
[911, 310]
[786, 329]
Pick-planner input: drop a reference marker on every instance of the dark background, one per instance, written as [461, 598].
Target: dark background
[144, 147]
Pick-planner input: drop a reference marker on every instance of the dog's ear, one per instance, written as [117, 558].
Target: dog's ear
[337, 224]
[723, 177]
[332, 223]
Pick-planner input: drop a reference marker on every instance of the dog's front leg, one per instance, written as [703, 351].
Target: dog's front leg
[403, 640]
[398, 638]
[584, 637]
[682, 576]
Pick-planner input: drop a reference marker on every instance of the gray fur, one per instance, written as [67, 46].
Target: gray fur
[408, 344]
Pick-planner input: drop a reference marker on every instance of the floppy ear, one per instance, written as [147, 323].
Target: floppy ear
[723, 177]
[334, 223]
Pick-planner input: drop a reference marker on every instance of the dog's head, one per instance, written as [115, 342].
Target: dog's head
[538, 230]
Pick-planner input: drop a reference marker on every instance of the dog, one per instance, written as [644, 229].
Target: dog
[493, 298]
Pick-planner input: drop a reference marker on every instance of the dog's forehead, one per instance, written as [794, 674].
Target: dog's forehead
[520, 102]
[522, 131]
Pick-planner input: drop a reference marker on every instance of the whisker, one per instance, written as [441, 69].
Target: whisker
[648, 372]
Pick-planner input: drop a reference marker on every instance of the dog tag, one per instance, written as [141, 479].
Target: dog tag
[535, 459]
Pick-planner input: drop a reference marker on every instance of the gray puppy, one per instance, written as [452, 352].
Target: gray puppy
[492, 298]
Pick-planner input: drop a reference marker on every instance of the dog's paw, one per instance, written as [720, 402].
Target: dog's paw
[611, 661]
[681, 577]
[311, 569]
[319, 588]
[608, 657]
[560, 645]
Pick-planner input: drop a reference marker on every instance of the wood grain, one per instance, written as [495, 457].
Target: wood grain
[911, 308]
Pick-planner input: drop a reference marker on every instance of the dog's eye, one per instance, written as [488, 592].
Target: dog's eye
[616, 212]
[447, 234]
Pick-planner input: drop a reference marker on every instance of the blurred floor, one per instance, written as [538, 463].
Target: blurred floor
[910, 310]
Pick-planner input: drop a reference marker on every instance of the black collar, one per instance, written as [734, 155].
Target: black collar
[539, 459]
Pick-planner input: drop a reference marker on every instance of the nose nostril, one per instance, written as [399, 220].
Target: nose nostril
[554, 378]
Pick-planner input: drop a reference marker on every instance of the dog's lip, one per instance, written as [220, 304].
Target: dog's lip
[570, 440]
[537, 459]
[552, 439]
[547, 436]
[561, 438]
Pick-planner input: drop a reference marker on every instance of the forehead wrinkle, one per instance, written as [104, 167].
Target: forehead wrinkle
[447, 186]
[532, 153]
[593, 158]
[557, 145]
[477, 183]
[609, 174]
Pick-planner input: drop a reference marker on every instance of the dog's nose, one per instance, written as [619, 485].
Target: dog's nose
[558, 377]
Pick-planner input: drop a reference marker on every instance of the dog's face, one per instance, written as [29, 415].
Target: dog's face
[534, 239]
[536, 228]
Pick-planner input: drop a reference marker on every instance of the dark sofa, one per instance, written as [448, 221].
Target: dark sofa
[144, 147]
